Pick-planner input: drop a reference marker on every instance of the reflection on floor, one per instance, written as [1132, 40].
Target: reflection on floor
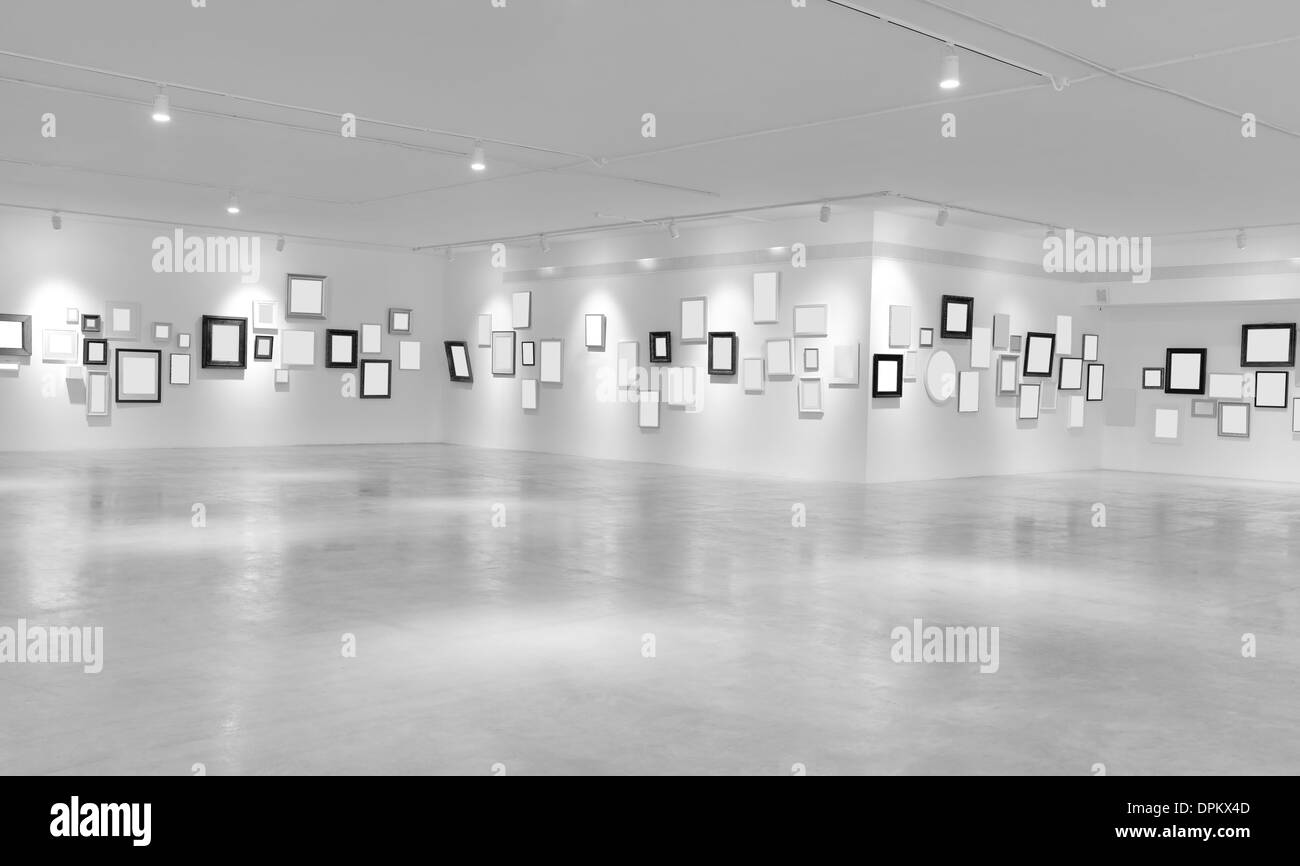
[525, 644]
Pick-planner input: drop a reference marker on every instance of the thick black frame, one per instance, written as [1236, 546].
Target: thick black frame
[522, 362]
[1051, 353]
[87, 318]
[714, 369]
[514, 353]
[1169, 360]
[26, 321]
[1286, 389]
[1087, 378]
[451, 364]
[361, 390]
[875, 375]
[661, 359]
[330, 334]
[117, 375]
[1060, 373]
[270, 353]
[944, 332]
[85, 353]
[1246, 329]
[1145, 386]
[208, 323]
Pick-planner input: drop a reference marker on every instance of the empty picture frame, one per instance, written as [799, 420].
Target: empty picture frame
[1008, 365]
[695, 320]
[59, 345]
[1165, 424]
[376, 379]
[458, 367]
[1225, 386]
[162, 332]
[1002, 331]
[408, 355]
[263, 347]
[1295, 415]
[1064, 335]
[678, 386]
[811, 360]
[400, 320]
[724, 353]
[264, 315]
[909, 366]
[183, 341]
[981, 348]
[341, 348]
[767, 297]
[91, 323]
[779, 355]
[1031, 395]
[179, 369]
[282, 377]
[594, 331]
[661, 347]
[97, 393]
[810, 320]
[139, 376]
[1015, 344]
[528, 353]
[925, 338]
[551, 361]
[1047, 396]
[306, 297]
[122, 320]
[648, 410]
[372, 339]
[1091, 347]
[71, 316]
[528, 395]
[484, 330]
[968, 391]
[1204, 408]
[1040, 351]
[810, 396]
[1269, 345]
[886, 375]
[1074, 417]
[225, 343]
[94, 353]
[521, 310]
[751, 375]
[1185, 371]
[900, 327]
[627, 362]
[503, 353]
[298, 348]
[1271, 388]
[1234, 420]
[1153, 378]
[956, 317]
[1096, 382]
[846, 359]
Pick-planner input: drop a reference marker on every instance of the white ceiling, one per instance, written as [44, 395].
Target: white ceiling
[727, 79]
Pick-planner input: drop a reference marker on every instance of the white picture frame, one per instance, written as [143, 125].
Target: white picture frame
[503, 353]
[265, 315]
[648, 410]
[627, 363]
[594, 331]
[180, 367]
[408, 355]
[1224, 386]
[60, 345]
[846, 364]
[981, 347]
[695, 320]
[752, 375]
[550, 361]
[485, 331]
[298, 348]
[779, 355]
[900, 326]
[1028, 401]
[528, 395]
[767, 297]
[968, 392]
[372, 339]
[1064, 335]
[1077, 408]
[811, 320]
[97, 393]
[1165, 424]
[810, 396]
[1008, 375]
[521, 310]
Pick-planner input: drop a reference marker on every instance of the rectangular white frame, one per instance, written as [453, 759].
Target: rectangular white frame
[503, 353]
[372, 339]
[810, 320]
[550, 361]
[1295, 415]
[900, 326]
[484, 330]
[1166, 423]
[767, 297]
[780, 358]
[968, 391]
[679, 385]
[981, 347]
[298, 348]
[1030, 397]
[628, 359]
[179, 369]
[1234, 420]
[182, 341]
[846, 363]
[648, 410]
[810, 396]
[1224, 386]
[52, 351]
[264, 315]
[408, 355]
[521, 310]
[695, 320]
[910, 366]
[594, 331]
[282, 377]
[1075, 417]
[97, 393]
[1064, 335]
[751, 375]
[1091, 347]
[528, 398]
[1047, 396]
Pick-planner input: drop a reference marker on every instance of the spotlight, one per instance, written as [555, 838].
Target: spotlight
[232, 206]
[825, 215]
[949, 78]
[56, 220]
[942, 219]
[279, 244]
[673, 231]
[477, 160]
[1241, 239]
[544, 243]
[162, 108]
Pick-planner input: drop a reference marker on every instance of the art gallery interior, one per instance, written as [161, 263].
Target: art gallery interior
[637, 388]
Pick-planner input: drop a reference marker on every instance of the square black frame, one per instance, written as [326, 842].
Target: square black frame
[388, 367]
[91, 323]
[1286, 389]
[26, 322]
[351, 363]
[528, 357]
[451, 365]
[714, 369]
[666, 357]
[209, 322]
[85, 353]
[876, 390]
[1161, 386]
[947, 333]
[1169, 362]
[258, 340]
[1028, 353]
[117, 375]
[1245, 332]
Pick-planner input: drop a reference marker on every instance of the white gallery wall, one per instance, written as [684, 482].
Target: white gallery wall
[44, 272]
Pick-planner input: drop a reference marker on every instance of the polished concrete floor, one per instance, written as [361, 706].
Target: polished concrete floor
[522, 645]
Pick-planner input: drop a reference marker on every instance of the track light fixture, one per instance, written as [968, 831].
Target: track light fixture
[56, 220]
[162, 108]
[1241, 239]
[825, 215]
[942, 219]
[477, 159]
[232, 205]
[949, 75]
[279, 244]
[673, 231]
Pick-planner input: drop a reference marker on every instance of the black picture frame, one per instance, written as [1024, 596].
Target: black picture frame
[1274, 326]
[211, 322]
[367, 366]
[1286, 389]
[945, 331]
[451, 361]
[1060, 376]
[665, 357]
[716, 367]
[1157, 387]
[259, 342]
[85, 353]
[895, 388]
[1101, 392]
[91, 323]
[1170, 354]
[528, 353]
[118, 381]
[24, 351]
[1031, 338]
[351, 362]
